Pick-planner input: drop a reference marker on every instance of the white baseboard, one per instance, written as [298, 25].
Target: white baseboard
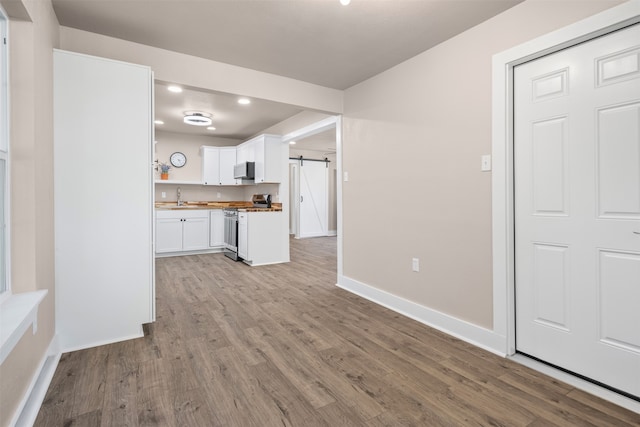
[332, 233]
[75, 347]
[473, 334]
[27, 411]
[183, 253]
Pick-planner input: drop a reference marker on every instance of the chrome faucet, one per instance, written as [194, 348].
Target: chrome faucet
[180, 202]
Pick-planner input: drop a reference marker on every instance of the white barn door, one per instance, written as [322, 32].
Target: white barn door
[314, 214]
[577, 209]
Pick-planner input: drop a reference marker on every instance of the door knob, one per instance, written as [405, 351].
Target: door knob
[636, 232]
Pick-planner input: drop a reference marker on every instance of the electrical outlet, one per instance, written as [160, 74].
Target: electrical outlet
[219, 194]
[164, 194]
[416, 264]
[346, 176]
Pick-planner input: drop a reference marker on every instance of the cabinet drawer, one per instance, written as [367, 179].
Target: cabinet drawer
[183, 213]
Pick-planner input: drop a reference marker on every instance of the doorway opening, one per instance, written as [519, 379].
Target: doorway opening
[315, 192]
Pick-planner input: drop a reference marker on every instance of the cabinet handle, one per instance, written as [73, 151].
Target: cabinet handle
[636, 232]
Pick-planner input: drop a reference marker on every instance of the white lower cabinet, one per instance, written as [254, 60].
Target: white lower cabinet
[260, 240]
[243, 236]
[180, 230]
[168, 234]
[216, 228]
[195, 233]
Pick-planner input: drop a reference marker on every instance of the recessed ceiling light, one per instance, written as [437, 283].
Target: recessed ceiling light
[211, 128]
[345, 2]
[292, 142]
[176, 89]
[197, 118]
[244, 101]
[158, 122]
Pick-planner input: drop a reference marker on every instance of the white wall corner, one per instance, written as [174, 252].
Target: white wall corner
[461, 329]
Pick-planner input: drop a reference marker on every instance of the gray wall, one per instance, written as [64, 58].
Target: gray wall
[413, 137]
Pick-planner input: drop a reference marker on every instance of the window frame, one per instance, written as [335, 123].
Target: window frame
[4, 153]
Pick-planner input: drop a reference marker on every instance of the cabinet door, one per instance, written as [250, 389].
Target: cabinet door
[243, 236]
[269, 156]
[210, 166]
[242, 153]
[259, 157]
[195, 233]
[216, 229]
[168, 235]
[227, 162]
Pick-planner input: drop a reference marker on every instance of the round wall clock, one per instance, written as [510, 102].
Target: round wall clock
[178, 159]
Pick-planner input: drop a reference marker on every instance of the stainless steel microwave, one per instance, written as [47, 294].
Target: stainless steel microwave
[244, 170]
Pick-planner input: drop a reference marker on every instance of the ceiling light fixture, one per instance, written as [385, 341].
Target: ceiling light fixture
[175, 89]
[292, 142]
[197, 118]
[244, 101]
[158, 122]
[345, 2]
[211, 128]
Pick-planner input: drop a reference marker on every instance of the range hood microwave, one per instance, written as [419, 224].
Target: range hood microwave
[244, 170]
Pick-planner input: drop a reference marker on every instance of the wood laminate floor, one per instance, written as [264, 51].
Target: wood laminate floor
[281, 345]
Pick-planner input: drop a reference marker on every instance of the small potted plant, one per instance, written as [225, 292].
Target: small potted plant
[164, 170]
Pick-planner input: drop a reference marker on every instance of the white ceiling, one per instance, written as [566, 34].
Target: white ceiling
[230, 119]
[317, 41]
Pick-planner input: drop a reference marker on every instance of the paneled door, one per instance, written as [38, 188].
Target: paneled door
[577, 209]
[314, 214]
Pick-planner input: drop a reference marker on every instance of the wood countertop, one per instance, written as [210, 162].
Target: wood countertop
[243, 206]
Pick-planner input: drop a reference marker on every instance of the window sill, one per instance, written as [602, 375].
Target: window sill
[17, 313]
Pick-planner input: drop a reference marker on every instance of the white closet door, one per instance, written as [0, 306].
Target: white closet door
[313, 199]
[103, 199]
[577, 192]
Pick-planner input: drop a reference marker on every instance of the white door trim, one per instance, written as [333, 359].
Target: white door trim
[502, 150]
[294, 194]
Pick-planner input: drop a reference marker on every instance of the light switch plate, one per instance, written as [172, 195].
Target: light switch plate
[486, 163]
[346, 176]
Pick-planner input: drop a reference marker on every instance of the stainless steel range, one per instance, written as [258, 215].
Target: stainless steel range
[231, 233]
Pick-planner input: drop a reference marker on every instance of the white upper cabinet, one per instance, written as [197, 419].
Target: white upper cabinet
[245, 152]
[227, 162]
[267, 151]
[210, 165]
[217, 165]
[269, 154]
